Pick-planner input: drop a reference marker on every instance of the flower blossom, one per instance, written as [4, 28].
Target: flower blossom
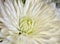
[31, 23]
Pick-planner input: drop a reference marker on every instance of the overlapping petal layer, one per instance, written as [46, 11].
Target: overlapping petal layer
[30, 23]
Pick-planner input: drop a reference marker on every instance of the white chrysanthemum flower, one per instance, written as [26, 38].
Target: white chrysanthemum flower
[30, 23]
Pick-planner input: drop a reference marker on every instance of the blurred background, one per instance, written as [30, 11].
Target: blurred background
[57, 2]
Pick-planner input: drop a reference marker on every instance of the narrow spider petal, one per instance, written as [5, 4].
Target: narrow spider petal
[11, 19]
[20, 4]
[17, 10]
[26, 6]
[11, 27]
[10, 4]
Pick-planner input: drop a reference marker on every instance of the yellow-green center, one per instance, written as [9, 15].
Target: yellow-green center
[25, 24]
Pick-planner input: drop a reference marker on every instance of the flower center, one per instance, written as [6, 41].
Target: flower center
[25, 25]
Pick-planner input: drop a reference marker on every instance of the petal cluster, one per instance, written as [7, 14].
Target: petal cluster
[31, 23]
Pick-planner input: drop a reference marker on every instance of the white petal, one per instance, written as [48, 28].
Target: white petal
[20, 4]
[9, 26]
[11, 6]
